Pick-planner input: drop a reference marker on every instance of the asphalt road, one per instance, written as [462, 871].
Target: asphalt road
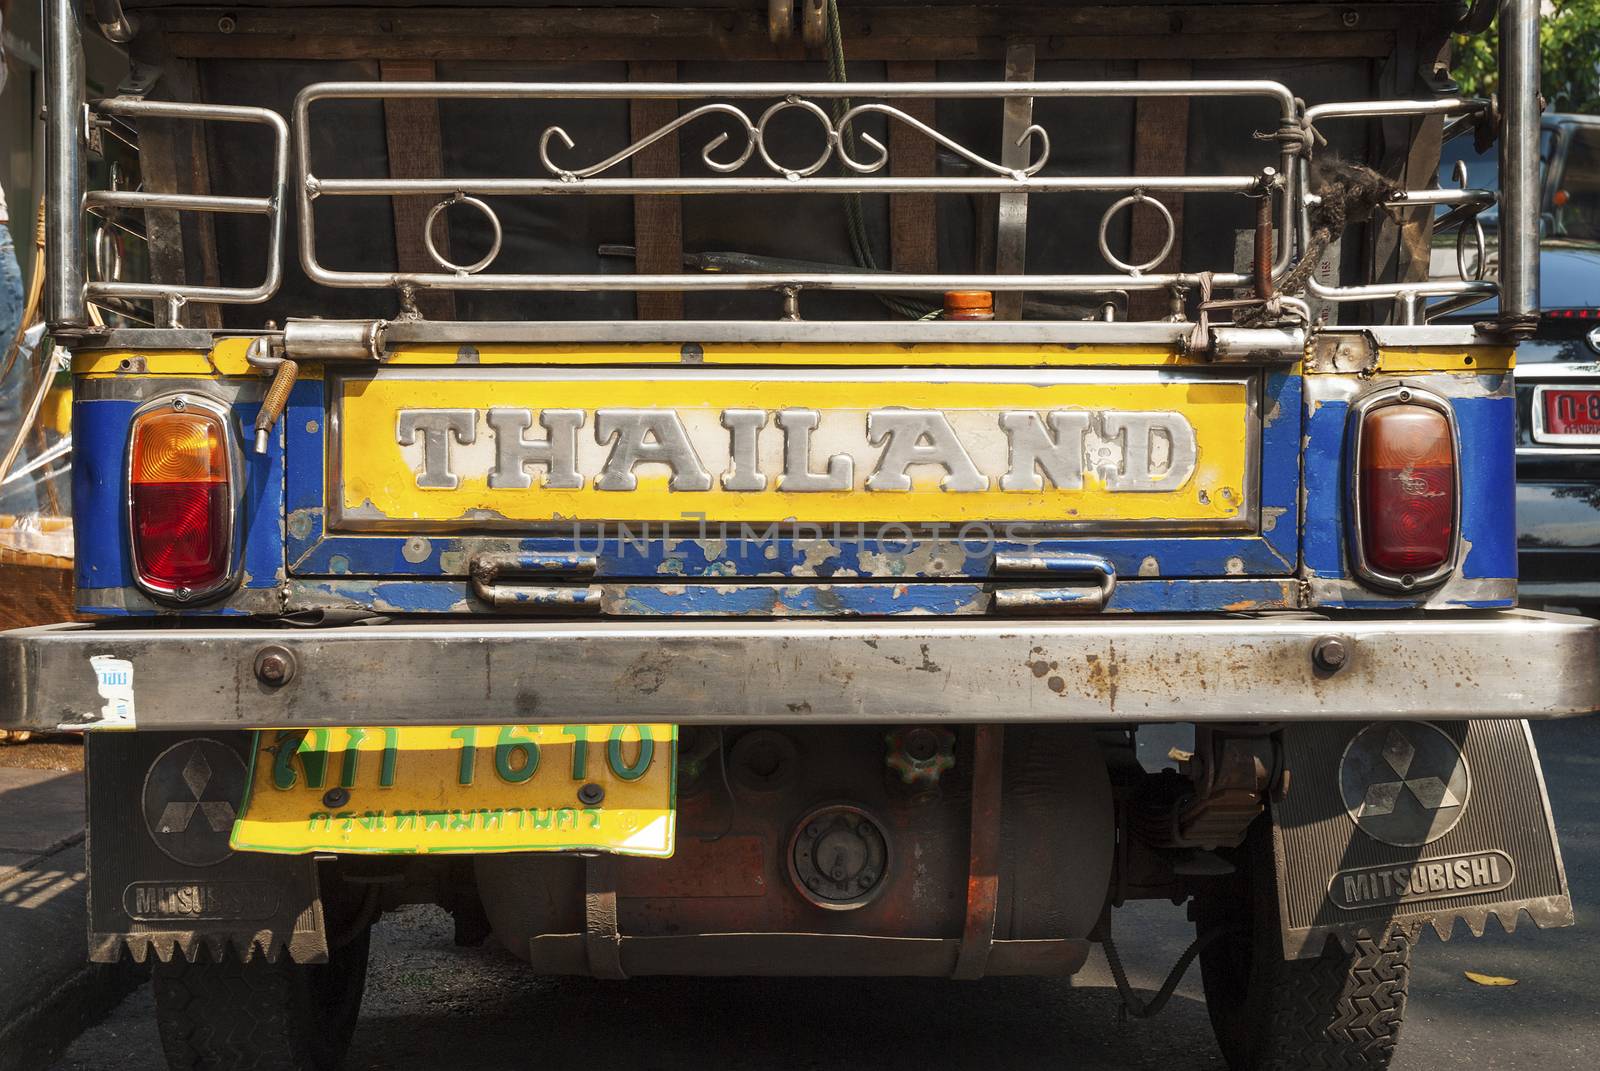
[432, 1006]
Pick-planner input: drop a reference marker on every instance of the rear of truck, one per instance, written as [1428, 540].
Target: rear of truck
[696, 507]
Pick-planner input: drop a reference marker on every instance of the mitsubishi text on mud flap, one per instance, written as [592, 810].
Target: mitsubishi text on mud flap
[721, 491]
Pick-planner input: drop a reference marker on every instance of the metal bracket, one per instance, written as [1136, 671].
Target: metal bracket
[552, 595]
[983, 875]
[1061, 596]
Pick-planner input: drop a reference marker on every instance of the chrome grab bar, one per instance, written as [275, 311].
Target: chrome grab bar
[271, 206]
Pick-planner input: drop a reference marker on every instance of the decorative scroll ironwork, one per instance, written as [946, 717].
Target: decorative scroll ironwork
[836, 142]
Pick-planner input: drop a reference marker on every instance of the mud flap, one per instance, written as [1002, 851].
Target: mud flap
[161, 874]
[1405, 824]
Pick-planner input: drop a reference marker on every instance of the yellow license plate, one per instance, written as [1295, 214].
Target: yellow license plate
[470, 788]
[826, 446]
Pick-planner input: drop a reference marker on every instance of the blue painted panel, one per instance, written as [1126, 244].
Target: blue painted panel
[100, 531]
[1322, 541]
[1488, 428]
[304, 435]
[103, 557]
[814, 600]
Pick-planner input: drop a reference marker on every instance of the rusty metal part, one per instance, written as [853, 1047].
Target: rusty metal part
[273, 404]
[1234, 774]
[780, 20]
[725, 904]
[1265, 287]
[839, 857]
[1330, 654]
[562, 587]
[1219, 791]
[814, 23]
[920, 755]
[602, 940]
[275, 666]
[763, 760]
[983, 881]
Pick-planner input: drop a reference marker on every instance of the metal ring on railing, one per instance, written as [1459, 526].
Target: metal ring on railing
[811, 107]
[433, 251]
[1460, 175]
[1134, 198]
[107, 255]
[1482, 249]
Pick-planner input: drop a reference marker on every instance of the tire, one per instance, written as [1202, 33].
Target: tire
[1341, 1010]
[260, 1016]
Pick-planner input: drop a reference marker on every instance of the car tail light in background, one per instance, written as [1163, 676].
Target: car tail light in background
[1404, 490]
[183, 476]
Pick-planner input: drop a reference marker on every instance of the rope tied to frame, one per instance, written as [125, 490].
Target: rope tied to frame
[1347, 193]
[1296, 135]
[855, 221]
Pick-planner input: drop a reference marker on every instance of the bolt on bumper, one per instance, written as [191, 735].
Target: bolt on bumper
[1266, 667]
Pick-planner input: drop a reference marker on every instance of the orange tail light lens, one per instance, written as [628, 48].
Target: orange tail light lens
[181, 498]
[1406, 480]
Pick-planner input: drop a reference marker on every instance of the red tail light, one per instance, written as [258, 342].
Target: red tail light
[1405, 489]
[181, 498]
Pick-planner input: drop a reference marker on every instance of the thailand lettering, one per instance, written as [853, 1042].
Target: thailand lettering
[798, 450]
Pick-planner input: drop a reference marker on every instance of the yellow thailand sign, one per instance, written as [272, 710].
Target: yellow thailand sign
[819, 445]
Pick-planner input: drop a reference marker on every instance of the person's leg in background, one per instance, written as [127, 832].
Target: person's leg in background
[19, 496]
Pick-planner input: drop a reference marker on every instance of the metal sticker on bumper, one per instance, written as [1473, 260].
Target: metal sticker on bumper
[1406, 823]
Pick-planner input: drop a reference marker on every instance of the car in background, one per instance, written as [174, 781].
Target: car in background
[1558, 369]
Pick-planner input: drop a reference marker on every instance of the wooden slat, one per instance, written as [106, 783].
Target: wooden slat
[1160, 147]
[1255, 45]
[657, 221]
[174, 157]
[913, 217]
[411, 126]
[1011, 225]
[702, 26]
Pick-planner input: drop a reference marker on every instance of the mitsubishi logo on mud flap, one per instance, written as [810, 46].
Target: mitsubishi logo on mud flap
[1404, 783]
[189, 798]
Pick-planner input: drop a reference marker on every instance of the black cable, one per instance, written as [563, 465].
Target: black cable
[1131, 1002]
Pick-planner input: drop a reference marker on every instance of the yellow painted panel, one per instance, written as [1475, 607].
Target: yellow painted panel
[1486, 359]
[227, 357]
[381, 479]
[486, 788]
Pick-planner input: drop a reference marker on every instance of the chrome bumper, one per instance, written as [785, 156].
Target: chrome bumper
[1269, 667]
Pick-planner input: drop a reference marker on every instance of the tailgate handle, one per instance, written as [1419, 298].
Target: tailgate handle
[1079, 583]
[552, 583]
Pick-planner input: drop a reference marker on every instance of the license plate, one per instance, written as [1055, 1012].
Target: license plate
[483, 788]
[1567, 415]
[517, 448]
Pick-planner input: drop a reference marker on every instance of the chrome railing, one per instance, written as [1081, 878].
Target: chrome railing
[721, 155]
[1464, 205]
[173, 295]
[739, 157]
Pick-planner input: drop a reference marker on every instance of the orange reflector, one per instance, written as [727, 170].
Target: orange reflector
[171, 446]
[968, 305]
